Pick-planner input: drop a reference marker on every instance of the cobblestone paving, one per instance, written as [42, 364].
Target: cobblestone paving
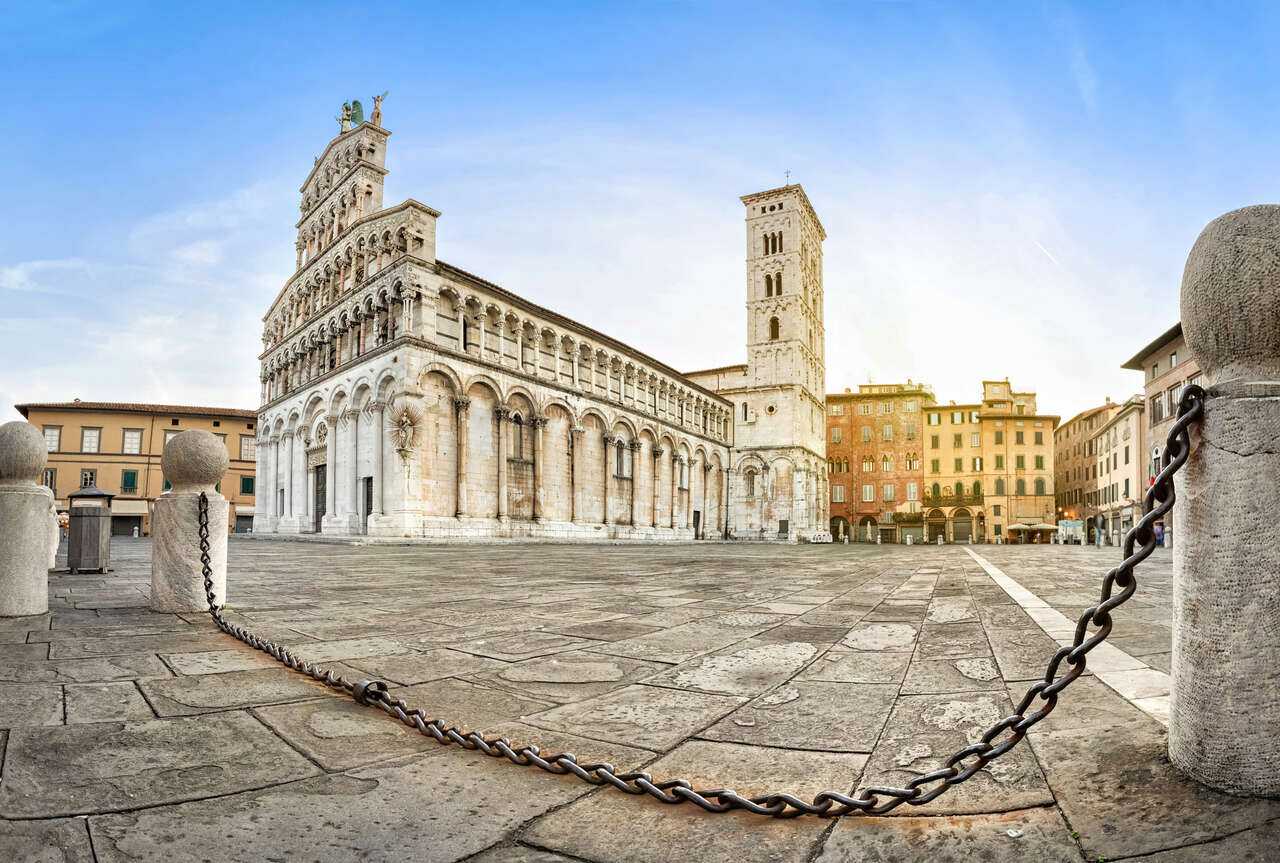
[131, 736]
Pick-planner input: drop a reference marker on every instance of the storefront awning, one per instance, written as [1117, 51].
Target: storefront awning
[243, 510]
[128, 507]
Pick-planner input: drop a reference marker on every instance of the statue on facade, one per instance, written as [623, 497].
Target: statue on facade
[376, 117]
[344, 118]
[357, 113]
[404, 430]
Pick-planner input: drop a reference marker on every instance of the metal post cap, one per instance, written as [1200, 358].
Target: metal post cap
[1231, 296]
[23, 453]
[194, 460]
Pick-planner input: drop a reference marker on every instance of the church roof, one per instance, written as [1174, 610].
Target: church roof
[135, 408]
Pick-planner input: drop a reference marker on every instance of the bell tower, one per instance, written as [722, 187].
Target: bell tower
[786, 342]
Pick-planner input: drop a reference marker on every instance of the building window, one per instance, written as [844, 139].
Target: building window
[868, 464]
[89, 439]
[999, 489]
[999, 437]
[246, 485]
[866, 434]
[975, 439]
[52, 438]
[999, 462]
[1020, 487]
[768, 285]
[248, 447]
[1020, 462]
[935, 419]
[1040, 488]
[774, 329]
[868, 493]
[744, 411]
[934, 443]
[910, 407]
[837, 410]
[959, 465]
[886, 463]
[913, 491]
[995, 510]
[837, 494]
[128, 482]
[1157, 409]
[88, 477]
[886, 407]
[169, 435]
[887, 432]
[957, 441]
[131, 444]
[1019, 438]
[935, 465]
[1039, 438]
[887, 493]
[977, 490]
[50, 478]
[169, 486]
[1039, 462]
[977, 464]
[835, 435]
[1173, 359]
[751, 483]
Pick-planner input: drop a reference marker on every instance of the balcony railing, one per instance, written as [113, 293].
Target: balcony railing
[953, 500]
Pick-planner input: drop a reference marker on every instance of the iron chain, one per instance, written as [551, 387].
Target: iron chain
[960, 766]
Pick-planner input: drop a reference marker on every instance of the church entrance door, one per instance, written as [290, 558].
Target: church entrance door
[321, 496]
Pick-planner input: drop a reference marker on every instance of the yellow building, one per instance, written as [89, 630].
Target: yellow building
[988, 469]
[117, 447]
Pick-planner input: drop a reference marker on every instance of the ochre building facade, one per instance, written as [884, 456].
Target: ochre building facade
[403, 396]
[117, 446]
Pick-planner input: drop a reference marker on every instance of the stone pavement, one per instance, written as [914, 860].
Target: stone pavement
[132, 736]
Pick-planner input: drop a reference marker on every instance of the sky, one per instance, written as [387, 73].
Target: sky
[1008, 189]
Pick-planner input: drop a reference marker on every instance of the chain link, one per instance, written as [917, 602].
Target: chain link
[960, 766]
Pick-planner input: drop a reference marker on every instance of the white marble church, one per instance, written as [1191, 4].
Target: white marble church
[405, 397]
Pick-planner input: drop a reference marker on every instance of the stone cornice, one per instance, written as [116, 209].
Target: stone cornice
[340, 139]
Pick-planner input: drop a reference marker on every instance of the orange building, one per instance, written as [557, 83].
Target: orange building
[874, 462]
[117, 448]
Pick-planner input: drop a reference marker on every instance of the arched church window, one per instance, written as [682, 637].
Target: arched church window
[751, 483]
[466, 334]
[768, 285]
[779, 240]
[620, 459]
[774, 329]
[744, 411]
[766, 244]
[517, 437]
[777, 284]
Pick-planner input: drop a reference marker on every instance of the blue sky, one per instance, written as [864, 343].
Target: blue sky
[1008, 189]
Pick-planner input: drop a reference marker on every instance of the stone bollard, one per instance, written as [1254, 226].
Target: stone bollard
[193, 462]
[1224, 728]
[28, 522]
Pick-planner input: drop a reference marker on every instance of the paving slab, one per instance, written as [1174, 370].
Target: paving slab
[835, 717]
[469, 704]
[611, 826]
[242, 658]
[104, 767]
[650, 717]
[747, 668]
[105, 702]
[858, 666]
[185, 696]
[1038, 835]
[339, 734]
[406, 669]
[63, 840]
[571, 676]
[924, 730]
[30, 704]
[1124, 798]
[438, 808]
[970, 674]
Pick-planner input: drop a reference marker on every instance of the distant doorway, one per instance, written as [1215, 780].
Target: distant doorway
[697, 524]
[368, 504]
[321, 495]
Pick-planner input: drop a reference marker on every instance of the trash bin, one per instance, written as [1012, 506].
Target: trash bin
[89, 542]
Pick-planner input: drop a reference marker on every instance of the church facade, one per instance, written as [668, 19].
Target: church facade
[405, 397]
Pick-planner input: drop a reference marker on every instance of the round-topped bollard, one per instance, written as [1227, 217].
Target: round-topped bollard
[1224, 713]
[28, 522]
[194, 461]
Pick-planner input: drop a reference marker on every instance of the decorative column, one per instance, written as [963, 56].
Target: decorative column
[331, 466]
[634, 448]
[538, 423]
[706, 475]
[728, 490]
[260, 490]
[575, 474]
[352, 418]
[657, 477]
[276, 509]
[608, 474]
[377, 411]
[501, 416]
[676, 461]
[461, 408]
[288, 475]
[688, 510]
[1226, 561]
